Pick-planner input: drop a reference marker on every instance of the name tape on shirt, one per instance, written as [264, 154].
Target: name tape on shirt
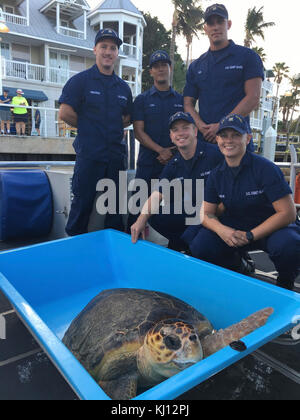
[234, 67]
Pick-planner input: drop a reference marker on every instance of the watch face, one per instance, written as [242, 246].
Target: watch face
[249, 236]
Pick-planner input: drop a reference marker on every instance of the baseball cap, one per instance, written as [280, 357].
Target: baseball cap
[236, 122]
[181, 116]
[20, 91]
[216, 9]
[159, 56]
[108, 33]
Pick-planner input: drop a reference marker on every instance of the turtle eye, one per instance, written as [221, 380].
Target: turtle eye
[193, 337]
[162, 333]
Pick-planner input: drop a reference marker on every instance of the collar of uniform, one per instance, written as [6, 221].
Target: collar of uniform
[225, 52]
[96, 74]
[246, 161]
[154, 91]
[199, 154]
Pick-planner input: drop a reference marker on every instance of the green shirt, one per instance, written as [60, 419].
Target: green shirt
[19, 100]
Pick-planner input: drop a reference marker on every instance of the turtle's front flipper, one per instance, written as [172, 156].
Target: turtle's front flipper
[215, 342]
[123, 388]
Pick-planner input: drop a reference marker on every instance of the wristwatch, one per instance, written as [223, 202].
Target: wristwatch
[250, 236]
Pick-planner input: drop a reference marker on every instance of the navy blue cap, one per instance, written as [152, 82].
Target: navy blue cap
[236, 122]
[216, 9]
[159, 56]
[108, 33]
[6, 90]
[185, 116]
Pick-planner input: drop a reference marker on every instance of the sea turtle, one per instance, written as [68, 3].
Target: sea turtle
[129, 338]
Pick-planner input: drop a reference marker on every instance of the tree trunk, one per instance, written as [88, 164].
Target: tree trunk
[289, 125]
[173, 43]
[188, 47]
[275, 105]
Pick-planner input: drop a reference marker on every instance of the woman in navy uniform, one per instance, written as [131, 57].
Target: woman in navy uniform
[258, 209]
[99, 104]
[194, 161]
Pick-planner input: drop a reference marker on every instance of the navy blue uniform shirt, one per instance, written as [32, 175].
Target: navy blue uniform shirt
[5, 108]
[155, 108]
[246, 192]
[100, 101]
[206, 158]
[217, 80]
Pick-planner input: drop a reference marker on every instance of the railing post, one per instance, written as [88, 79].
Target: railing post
[293, 168]
[45, 119]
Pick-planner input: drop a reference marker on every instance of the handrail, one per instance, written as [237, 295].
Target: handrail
[35, 164]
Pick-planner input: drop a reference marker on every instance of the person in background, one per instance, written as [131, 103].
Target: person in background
[5, 113]
[227, 79]
[37, 121]
[20, 114]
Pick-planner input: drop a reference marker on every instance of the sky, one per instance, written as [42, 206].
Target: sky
[281, 42]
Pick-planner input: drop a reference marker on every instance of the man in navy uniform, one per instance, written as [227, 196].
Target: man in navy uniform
[152, 110]
[195, 160]
[99, 104]
[248, 205]
[226, 79]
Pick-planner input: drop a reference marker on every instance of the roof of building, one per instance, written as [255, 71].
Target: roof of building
[117, 5]
[43, 27]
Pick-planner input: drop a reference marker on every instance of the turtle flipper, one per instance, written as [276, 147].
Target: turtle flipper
[215, 342]
[123, 388]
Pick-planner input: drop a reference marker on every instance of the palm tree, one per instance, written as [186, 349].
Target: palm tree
[261, 52]
[189, 24]
[187, 19]
[289, 103]
[255, 25]
[281, 71]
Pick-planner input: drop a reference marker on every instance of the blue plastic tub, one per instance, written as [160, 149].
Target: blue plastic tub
[49, 284]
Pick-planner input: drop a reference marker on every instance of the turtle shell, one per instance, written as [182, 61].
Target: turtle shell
[114, 324]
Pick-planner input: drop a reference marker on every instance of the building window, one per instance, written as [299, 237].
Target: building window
[9, 9]
[5, 51]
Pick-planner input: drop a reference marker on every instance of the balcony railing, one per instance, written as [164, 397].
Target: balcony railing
[37, 73]
[256, 123]
[27, 71]
[60, 76]
[74, 33]
[34, 72]
[15, 19]
[129, 50]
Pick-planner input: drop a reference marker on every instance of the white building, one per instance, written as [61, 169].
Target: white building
[261, 118]
[51, 40]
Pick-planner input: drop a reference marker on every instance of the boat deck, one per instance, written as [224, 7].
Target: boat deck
[271, 373]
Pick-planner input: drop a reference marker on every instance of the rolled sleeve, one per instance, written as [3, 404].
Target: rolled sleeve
[72, 93]
[139, 109]
[254, 66]
[210, 192]
[191, 88]
[275, 186]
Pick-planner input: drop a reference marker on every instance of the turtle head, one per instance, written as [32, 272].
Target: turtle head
[170, 346]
